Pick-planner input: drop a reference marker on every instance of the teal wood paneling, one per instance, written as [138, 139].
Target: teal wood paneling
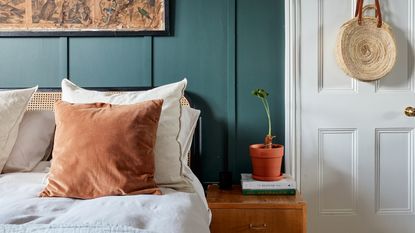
[225, 48]
[109, 62]
[260, 64]
[231, 77]
[28, 62]
[198, 51]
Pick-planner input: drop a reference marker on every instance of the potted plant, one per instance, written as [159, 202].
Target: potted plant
[266, 158]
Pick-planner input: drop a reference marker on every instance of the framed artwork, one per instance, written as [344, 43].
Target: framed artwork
[25, 18]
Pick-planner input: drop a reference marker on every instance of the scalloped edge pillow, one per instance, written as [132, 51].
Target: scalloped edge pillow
[169, 160]
[13, 105]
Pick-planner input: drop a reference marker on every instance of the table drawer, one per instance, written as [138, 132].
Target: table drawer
[257, 220]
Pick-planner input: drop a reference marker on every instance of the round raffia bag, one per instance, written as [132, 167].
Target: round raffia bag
[366, 48]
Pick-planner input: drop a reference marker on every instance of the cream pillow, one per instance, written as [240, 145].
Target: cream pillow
[13, 105]
[169, 161]
[188, 121]
[32, 144]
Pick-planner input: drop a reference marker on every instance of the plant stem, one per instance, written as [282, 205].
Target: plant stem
[265, 102]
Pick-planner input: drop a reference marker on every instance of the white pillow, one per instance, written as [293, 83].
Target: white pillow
[13, 104]
[188, 122]
[35, 134]
[169, 162]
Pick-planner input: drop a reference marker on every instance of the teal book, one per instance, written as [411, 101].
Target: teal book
[268, 192]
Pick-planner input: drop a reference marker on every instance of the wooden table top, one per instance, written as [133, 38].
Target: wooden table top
[224, 199]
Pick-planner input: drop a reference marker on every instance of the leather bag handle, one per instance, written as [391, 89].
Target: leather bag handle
[360, 9]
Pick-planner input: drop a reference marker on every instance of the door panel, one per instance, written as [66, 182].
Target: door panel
[399, 15]
[394, 158]
[329, 21]
[357, 155]
[337, 167]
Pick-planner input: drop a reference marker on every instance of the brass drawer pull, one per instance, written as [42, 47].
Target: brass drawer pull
[258, 227]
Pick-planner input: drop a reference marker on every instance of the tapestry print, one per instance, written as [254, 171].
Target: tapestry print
[82, 15]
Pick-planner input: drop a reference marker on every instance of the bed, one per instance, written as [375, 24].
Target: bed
[22, 210]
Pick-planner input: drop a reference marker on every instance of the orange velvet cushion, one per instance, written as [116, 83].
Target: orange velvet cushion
[103, 149]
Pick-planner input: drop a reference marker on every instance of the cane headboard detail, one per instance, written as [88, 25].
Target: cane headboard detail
[44, 100]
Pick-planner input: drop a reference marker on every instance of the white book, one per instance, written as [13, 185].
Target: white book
[249, 183]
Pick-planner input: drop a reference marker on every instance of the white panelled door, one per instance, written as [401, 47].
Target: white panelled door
[357, 146]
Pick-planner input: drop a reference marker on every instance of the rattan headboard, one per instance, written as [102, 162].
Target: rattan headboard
[44, 100]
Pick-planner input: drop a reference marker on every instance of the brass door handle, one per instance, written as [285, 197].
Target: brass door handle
[410, 111]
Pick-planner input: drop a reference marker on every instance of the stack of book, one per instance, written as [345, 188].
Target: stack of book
[286, 186]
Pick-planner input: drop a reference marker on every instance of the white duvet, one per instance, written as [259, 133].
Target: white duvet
[173, 212]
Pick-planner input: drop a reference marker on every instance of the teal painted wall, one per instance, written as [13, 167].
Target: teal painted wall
[225, 48]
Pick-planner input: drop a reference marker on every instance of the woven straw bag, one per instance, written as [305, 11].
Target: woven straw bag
[366, 48]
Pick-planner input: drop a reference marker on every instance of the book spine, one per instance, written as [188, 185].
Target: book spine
[269, 192]
[267, 186]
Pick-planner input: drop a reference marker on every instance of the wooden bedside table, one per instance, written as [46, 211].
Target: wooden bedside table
[236, 213]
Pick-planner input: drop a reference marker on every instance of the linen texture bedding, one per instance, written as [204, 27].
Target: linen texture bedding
[172, 212]
[45, 228]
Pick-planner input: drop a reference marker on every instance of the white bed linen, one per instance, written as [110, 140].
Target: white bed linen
[171, 212]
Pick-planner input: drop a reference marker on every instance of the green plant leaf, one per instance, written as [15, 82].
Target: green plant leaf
[261, 93]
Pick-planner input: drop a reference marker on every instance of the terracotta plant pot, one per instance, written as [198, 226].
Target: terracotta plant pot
[266, 162]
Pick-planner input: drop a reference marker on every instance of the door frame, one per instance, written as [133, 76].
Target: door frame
[292, 89]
